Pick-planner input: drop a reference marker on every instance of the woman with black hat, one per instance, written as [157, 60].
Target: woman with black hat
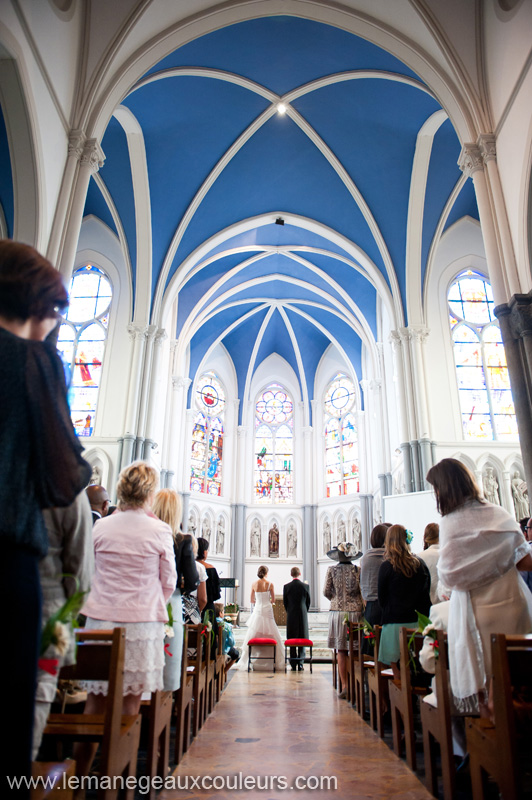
[342, 588]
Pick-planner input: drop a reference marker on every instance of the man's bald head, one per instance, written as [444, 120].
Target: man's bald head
[98, 499]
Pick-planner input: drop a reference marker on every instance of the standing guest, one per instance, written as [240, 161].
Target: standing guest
[66, 569]
[342, 588]
[212, 585]
[526, 527]
[167, 507]
[135, 577]
[482, 548]
[41, 467]
[296, 600]
[194, 601]
[370, 563]
[99, 501]
[404, 589]
[430, 555]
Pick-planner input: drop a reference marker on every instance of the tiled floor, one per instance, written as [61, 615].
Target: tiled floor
[288, 726]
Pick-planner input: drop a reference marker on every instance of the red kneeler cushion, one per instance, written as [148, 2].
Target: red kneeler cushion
[259, 642]
[299, 643]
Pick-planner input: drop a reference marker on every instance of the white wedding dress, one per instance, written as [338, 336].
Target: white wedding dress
[261, 624]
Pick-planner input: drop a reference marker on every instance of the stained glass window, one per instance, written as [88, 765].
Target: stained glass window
[486, 401]
[81, 343]
[341, 441]
[207, 436]
[274, 446]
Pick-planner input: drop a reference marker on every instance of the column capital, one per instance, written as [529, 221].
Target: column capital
[307, 431]
[93, 156]
[76, 140]
[487, 146]
[241, 431]
[418, 332]
[160, 336]
[470, 160]
[396, 339]
[137, 331]
[180, 382]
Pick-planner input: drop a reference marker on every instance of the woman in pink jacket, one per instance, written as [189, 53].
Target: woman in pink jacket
[134, 578]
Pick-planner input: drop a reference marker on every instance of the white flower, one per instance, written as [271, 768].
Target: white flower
[208, 626]
[428, 629]
[169, 631]
[60, 638]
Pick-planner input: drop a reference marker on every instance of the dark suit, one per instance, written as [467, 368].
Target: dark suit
[296, 599]
[95, 516]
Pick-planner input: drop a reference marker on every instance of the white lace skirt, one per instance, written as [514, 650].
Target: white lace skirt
[144, 660]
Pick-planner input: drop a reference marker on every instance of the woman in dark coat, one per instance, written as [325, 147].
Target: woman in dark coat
[41, 467]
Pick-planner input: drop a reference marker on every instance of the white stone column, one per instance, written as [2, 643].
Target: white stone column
[471, 163]
[243, 482]
[405, 412]
[307, 465]
[363, 462]
[383, 413]
[175, 427]
[416, 337]
[90, 157]
[154, 384]
[486, 142]
[505, 491]
[137, 335]
[76, 140]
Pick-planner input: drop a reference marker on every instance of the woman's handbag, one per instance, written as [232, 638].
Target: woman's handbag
[191, 612]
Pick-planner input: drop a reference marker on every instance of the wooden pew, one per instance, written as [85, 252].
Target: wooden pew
[494, 747]
[437, 731]
[352, 662]
[100, 657]
[158, 714]
[183, 701]
[402, 697]
[202, 643]
[60, 773]
[362, 665]
[378, 677]
[221, 673]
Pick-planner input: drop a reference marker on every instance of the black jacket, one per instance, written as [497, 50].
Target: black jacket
[187, 572]
[296, 599]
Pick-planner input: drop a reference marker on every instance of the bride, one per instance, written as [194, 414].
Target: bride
[261, 624]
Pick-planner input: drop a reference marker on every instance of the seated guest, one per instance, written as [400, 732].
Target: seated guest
[232, 652]
[526, 527]
[404, 589]
[430, 555]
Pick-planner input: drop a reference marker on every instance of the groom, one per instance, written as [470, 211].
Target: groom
[296, 599]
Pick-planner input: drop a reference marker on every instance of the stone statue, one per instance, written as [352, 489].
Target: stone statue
[520, 497]
[357, 534]
[490, 486]
[220, 536]
[191, 524]
[206, 530]
[326, 536]
[96, 477]
[273, 541]
[255, 539]
[292, 541]
[342, 531]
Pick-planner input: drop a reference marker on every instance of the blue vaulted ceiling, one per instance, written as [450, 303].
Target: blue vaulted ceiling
[222, 164]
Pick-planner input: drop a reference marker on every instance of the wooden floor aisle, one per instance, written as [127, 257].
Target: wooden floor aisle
[291, 726]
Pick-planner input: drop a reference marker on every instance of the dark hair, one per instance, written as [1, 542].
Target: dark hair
[295, 572]
[378, 534]
[262, 571]
[431, 534]
[523, 523]
[203, 546]
[453, 484]
[29, 285]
